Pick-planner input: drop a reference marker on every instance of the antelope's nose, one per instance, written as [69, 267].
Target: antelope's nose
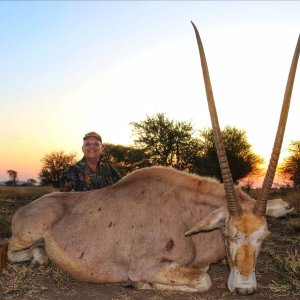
[245, 291]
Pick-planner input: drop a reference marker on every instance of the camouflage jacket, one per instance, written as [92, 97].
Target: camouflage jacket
[80, 177]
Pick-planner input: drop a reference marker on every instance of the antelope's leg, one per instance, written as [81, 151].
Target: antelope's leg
[29, 226]
[19, 250]
[177, 278]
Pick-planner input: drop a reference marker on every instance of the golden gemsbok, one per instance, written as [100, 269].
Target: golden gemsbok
[157, 228]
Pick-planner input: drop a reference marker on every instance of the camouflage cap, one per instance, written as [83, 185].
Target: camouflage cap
[93, 134]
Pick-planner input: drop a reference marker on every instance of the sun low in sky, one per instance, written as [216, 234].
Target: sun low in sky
[71, 67]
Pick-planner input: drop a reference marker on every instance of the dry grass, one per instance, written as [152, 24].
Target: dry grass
[25, 193]
[21, 279]
[288, 267]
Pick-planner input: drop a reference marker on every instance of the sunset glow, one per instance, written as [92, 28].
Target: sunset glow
[71, 67]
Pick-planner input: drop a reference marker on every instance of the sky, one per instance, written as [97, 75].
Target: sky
[70, 67]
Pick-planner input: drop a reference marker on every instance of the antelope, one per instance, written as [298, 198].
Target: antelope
[157, 228]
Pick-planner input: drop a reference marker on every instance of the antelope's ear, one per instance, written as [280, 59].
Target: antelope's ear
[277, 208]
[214, 220]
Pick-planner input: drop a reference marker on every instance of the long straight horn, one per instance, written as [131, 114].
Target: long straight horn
[261, 204]
[234, 206]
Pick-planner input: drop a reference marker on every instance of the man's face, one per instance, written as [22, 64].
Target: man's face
[92, 148]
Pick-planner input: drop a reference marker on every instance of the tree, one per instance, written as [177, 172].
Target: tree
[166, 142]
[12, 177]
[290, 167]
[242, 161]
[53, 166]
[31, 181]
[125, 158]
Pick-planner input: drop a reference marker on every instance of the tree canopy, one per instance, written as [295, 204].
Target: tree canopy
[166, 142]
[290, 168]
[53, 166]
[13, 175]
[125, 158]
[241, 158]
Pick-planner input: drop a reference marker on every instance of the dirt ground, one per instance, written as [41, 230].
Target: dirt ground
[21, 281]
